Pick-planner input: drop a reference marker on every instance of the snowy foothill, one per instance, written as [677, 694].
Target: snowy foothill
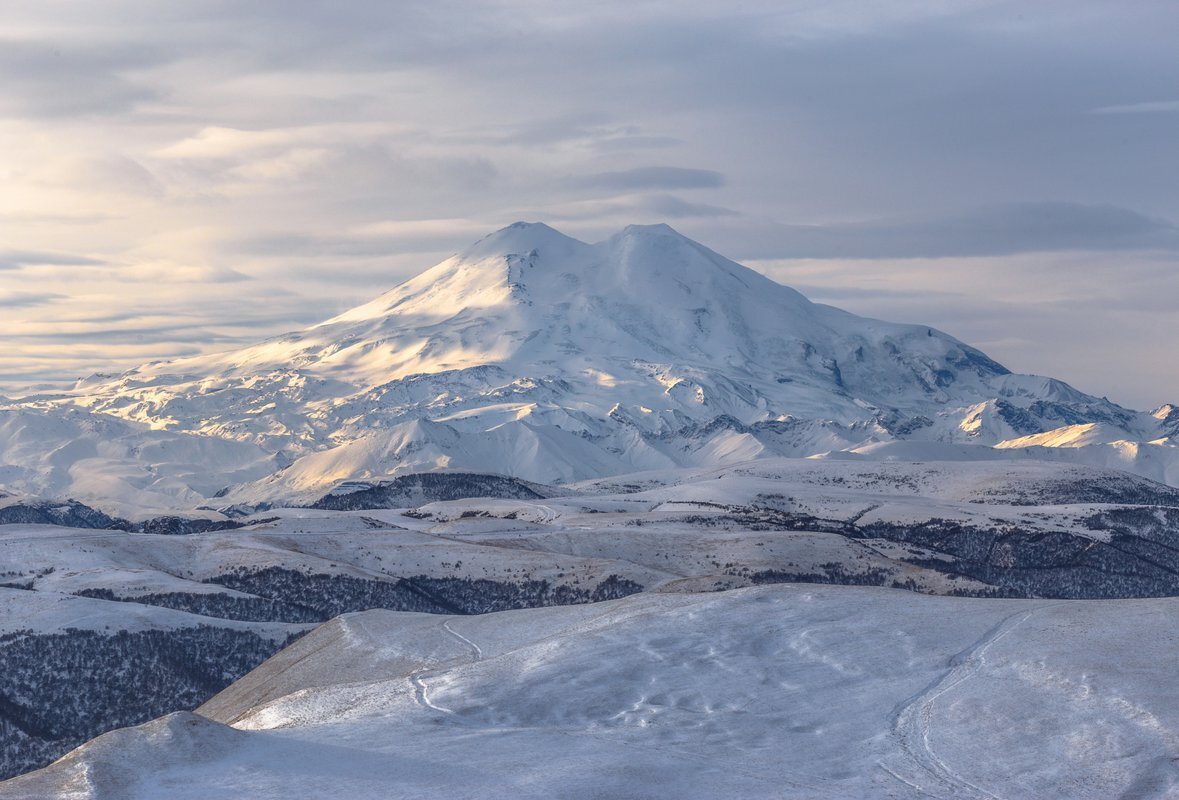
[163, 620]
[783, 691]
[935, 526]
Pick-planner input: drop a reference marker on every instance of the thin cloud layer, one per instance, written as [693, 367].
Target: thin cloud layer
[27, 299]
[20, 259]
[993, 231]
[641, 178]
[253, 166]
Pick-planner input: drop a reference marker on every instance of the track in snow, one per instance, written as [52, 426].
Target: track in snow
[548, 515]
[476, 649]
[418, 677]
[913, 723]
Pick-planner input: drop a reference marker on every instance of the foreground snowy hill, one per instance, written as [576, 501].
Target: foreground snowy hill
[534, 355]
[774, 692]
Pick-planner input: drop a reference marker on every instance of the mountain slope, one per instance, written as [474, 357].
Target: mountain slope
[537, 355]
[127, 468]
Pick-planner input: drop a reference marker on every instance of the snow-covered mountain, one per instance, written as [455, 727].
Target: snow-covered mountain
[536, 355]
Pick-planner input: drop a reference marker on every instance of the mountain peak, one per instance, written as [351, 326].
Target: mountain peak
[657, 229]
[522, 229]
[1168, 415]
[659, 237]
[521, 238]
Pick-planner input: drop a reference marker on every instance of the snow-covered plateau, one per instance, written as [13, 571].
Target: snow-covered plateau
[555, 519]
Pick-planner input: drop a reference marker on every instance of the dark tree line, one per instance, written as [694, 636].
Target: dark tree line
[277, 594]
[59, 690]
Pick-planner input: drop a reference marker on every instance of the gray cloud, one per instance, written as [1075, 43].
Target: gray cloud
[996, 230]
[641, 178]
[593, 129]
[295, 245]
[1154, 107]
[673, 207]
[67, 77]
[179, 330]
[59, 219]
[827, 293]
[27, 299]
[19, 259]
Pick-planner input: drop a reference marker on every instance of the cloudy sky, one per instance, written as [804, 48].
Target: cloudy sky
[182, 176]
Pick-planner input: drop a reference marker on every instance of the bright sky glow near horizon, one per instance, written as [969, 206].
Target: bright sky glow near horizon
[187, 176]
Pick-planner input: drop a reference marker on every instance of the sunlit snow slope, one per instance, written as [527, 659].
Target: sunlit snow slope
[537, 355]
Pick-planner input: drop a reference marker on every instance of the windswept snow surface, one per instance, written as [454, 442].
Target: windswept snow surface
[774, 692]
[536, 355]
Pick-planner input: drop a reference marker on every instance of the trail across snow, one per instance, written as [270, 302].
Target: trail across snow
[913, 723]
[478, 652]
[419, 677]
